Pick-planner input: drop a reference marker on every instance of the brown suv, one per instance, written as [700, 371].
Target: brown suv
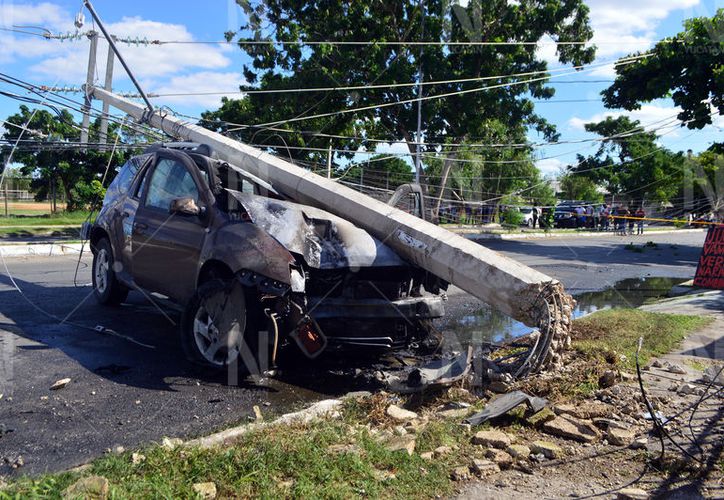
[254, 272]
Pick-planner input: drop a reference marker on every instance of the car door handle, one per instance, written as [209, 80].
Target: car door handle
[140, 226]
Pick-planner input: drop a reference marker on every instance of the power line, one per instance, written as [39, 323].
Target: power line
[145, 41]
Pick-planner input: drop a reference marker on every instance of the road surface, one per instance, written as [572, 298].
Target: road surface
[124, 394]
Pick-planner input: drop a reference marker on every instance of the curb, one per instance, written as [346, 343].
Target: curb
[541, 236]
[40, 249]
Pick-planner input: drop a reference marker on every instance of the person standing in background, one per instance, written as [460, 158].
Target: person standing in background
[640, 214]
[535, 216]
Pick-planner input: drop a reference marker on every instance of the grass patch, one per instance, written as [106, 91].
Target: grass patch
[287, 461]
[614, 332]
[59, 219]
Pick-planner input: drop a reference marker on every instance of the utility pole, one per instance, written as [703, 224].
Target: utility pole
[108, 85]
[418, 136]
[93, 37]
[329, 160]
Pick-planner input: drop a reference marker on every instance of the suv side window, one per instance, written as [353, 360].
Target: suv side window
[122, 182]
[170, 180]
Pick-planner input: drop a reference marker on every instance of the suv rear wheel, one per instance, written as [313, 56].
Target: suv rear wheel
[216, 328]
[106, 287]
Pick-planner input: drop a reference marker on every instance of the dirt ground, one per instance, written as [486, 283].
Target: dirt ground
[693, 452]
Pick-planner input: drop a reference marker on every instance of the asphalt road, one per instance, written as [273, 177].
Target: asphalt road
[125, 394]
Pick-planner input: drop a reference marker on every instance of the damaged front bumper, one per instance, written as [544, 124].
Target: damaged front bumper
[376, 323]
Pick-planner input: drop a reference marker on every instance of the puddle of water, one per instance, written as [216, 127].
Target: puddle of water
[490, 325]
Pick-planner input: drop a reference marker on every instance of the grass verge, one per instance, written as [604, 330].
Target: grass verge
[616, 332]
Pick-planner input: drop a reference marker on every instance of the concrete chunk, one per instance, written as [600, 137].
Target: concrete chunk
[493, 438]
[569, 427]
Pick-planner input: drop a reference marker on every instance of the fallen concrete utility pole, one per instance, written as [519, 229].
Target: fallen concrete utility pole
[511, 287]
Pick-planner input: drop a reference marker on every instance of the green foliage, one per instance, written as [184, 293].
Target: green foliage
[72, 169]
[630, 164]
[456, 119]
[687, 67]
[578, 187]
[381, 171]
[512, 217]
[617, 331]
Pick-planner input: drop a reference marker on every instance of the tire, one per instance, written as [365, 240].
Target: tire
[106, 287]
[216, 327]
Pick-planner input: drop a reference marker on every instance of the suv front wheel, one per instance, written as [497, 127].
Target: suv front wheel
[216, 327]
[106, 287]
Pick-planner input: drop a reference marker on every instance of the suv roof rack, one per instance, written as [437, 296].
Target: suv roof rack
[189, 147]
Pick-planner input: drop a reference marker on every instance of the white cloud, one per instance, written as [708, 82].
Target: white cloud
[204, 81]
[550, 166]
[622, 26]
[651, 116]
[44, 14]
[146, 61]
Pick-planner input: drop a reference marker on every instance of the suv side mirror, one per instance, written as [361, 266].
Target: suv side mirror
[185, 206]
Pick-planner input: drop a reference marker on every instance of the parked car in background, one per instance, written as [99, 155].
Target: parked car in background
[564, 216]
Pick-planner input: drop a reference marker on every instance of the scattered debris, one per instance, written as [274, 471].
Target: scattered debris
[568, 427]
[547, 449]
[714, 373]
[60, 384]
[428, 455]
[518, 451]
[441, 451]
[585, 410]
[400, 414]
[207, 491]
[257, 414]
[504, 404]
[500, 457]
[673, 368]
[137, 458]
[543, 416]
[690, 389]
[454, 410]
[620, 437]
[492, 438]
[608, 379]
[343, 449]
[402, 443]
[484, 467]
[171, 443]
[119, 450]
[632, 494]
[90, 487]
[640, 444]
[460, 473]
[436, 374]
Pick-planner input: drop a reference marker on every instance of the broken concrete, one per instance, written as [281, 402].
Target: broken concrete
[400, 414]
[547, 449]
[484, 467]
[402, 443]
[620, 437]
[90, 487]
[569, 427]
[207, 491]
[492, 438]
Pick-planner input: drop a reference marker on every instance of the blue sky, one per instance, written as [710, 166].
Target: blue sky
[621, 27]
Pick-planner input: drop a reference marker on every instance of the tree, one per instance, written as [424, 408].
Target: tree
[705, 182]
[455, 119]
[630, 163]
[56, 158]
[688, 67]
[577, 187]
[381, 171]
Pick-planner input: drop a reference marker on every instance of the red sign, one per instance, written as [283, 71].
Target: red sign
[710, 273]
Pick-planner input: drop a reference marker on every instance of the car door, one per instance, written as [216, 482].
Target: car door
[166, 246]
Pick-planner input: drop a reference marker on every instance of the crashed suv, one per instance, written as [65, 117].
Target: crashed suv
[254, 272]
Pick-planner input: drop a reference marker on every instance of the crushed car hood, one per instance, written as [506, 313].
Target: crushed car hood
[324, 240]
